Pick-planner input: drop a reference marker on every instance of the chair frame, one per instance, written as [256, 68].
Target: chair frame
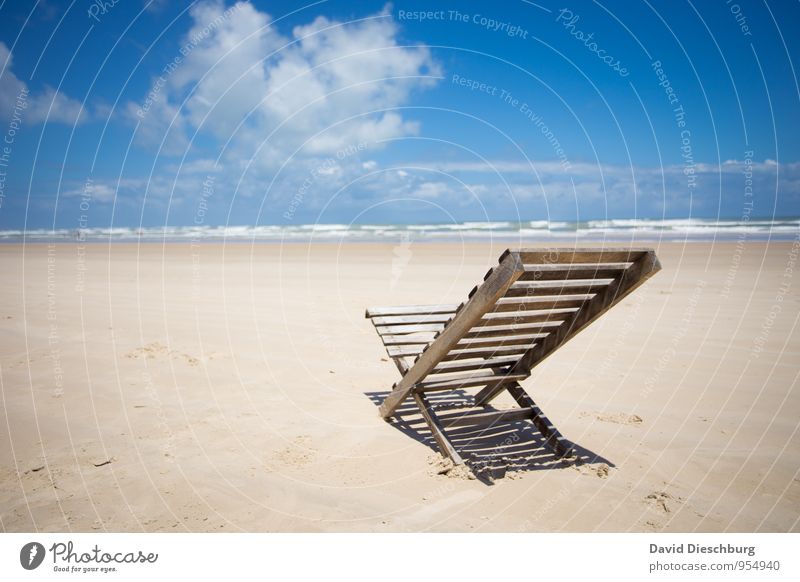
[579, 286]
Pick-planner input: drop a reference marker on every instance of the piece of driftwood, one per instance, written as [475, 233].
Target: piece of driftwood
[527, 307]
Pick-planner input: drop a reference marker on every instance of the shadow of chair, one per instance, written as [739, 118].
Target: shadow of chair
[490, 452]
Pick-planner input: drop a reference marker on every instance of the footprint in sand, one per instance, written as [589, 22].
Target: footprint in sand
[155, 350]
[616, 418]
[149, 352]
[298, 453]
[602, 470]
[662, 501]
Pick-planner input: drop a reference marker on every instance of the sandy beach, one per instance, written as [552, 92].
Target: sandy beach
[233, 387]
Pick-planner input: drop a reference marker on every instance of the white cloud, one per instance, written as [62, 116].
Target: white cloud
[54, 106]
[469, 190]
[48, 105]
[431, 190]
[224, 70]
[96, 191]
[283, 104]
[327, 86]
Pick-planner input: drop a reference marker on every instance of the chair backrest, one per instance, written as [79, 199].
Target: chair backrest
[533, 302]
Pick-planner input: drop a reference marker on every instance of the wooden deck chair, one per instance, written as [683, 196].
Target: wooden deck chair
[527, 307]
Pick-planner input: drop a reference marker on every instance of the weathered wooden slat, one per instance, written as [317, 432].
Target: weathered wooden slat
[484, 418]
[466, 381]
[455, 377]
[399, 329]
[493, 287]
[593, 267]
[506, 340]
[645, 267]
[632, 278]
[411, 319]
[410, 310]
[560, 284]
[568, 272]
[465, 365]
[457, 354]
[580, 255]
[492, 352]
[544, 302]
[407, 339]
[514, 335]
[535, 288]
[402, 364]
[549, 315]
[403, 351]
[437, 430]
[513, 329]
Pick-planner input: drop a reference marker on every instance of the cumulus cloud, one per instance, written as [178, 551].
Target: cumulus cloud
[48, 105]
[732, 187]
[99, 191]
[279, 113]
[326, 86]
[467, 191]
[53, 106]
[283, 108]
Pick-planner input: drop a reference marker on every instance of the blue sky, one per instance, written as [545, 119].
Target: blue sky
[283, 113]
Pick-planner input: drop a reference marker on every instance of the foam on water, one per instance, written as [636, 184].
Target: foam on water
[634, 229]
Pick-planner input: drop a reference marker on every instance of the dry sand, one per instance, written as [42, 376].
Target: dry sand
[227, 388]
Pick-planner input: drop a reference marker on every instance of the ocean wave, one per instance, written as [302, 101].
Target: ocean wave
[620, 229]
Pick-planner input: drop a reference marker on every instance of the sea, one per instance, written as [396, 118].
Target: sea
[614, 230]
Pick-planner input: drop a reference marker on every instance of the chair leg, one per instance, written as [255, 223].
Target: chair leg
[483, 397]
[560, 446]
[437, 430]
